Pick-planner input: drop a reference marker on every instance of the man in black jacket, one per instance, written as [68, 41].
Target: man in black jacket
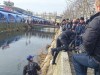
[91, 44]
[32, 67]
[62, 43]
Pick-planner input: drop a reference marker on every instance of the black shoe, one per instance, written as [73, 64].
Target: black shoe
[53, 63]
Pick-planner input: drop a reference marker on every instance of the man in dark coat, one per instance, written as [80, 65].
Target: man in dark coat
[91, 44]
[62, 43]
[32, 67]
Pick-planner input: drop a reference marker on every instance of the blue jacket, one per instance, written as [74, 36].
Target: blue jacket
[80, 28]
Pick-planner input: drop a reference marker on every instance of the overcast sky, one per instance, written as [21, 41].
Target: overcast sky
[41, 5]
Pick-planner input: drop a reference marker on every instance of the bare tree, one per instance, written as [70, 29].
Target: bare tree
[8, 3]
[79, 8]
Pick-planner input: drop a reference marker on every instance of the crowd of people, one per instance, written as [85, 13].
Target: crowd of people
[36, 21]
[41, 22]
[78, 34]
[71, 34]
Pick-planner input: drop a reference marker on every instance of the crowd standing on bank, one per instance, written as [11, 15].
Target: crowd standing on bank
[78, 34]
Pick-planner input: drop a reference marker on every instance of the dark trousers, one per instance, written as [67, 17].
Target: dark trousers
[54, 54]
[82, 61]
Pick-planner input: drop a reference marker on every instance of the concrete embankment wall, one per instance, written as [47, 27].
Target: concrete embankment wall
[62, 67]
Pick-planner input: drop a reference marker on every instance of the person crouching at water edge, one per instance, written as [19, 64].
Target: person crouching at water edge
[62, 43]
[32, 67]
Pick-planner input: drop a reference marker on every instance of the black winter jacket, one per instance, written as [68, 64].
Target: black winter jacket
[91, 37]
[67, 34]
[31, 69]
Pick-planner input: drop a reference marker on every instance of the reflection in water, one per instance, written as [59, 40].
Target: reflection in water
[16, 36]
[7, 38]
[42, 33]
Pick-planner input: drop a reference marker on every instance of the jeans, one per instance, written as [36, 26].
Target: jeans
[82, 61]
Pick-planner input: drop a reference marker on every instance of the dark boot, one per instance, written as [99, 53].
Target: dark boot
[53, 63]
[54, 58]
